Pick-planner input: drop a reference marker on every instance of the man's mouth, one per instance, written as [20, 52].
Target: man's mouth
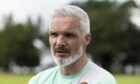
[62, 50]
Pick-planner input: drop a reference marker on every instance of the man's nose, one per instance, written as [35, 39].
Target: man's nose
[61, 40]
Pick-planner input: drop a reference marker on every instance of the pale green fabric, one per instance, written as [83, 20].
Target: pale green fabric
[53, 76]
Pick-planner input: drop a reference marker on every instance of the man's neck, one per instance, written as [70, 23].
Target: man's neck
[75, 67]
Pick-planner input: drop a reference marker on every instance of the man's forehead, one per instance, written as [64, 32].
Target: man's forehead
[64, 24]
[63, 30]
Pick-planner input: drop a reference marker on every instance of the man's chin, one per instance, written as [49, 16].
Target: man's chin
[62, 62]
[66, 61]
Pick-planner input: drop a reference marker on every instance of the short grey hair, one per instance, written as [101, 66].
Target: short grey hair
[71, 10]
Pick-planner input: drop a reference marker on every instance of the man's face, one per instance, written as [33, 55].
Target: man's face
[66, 39]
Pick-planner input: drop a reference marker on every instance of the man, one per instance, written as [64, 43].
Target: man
[69, 34]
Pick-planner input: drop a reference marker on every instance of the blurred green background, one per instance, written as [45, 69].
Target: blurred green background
[115, 45]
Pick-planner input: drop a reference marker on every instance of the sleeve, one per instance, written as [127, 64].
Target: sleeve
[109, 79]
[33, 80]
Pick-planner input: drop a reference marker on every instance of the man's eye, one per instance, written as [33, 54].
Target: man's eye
[53, 34]
[70, 35]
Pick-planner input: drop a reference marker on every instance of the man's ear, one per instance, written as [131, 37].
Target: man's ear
[87, 39]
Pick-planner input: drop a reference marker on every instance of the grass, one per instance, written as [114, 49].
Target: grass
[9, 78]
[14, 78]
[128, 79]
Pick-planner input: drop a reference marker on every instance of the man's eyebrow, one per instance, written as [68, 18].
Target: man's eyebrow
[51, 32]
[71, 32]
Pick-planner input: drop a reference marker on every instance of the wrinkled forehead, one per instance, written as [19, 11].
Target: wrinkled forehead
[65, 22]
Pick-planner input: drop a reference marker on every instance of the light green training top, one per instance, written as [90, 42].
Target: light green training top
[90, 73]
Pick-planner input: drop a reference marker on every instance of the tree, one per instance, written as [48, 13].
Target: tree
[110, 28]
[17, 44]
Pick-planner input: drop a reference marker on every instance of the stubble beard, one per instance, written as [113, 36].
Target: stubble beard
[67, 61]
